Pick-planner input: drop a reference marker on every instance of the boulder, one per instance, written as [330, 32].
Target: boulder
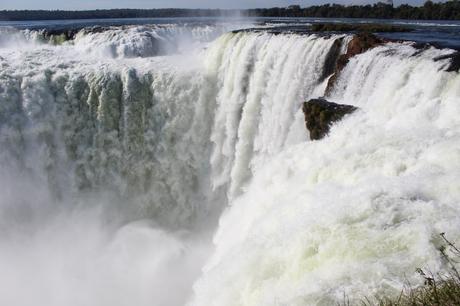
[320, 114]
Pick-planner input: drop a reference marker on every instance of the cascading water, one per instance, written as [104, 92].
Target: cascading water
[120, 148]
[104, 167]
[258, 107]
[357, 213]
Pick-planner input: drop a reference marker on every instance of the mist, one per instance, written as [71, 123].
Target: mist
[84, 252]
[105, 211]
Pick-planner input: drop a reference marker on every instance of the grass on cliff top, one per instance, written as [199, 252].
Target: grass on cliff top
[365, 27]
[442, 290]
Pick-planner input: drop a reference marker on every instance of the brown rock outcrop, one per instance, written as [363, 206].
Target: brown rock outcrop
[360, 43]
[320, 114]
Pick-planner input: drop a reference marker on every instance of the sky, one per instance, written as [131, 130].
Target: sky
[232, 4]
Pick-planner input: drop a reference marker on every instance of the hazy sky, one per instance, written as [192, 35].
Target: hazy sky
[93, 4]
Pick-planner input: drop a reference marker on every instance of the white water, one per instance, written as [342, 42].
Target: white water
[258, 107]
[124, 41]
[357, 213]
[104, 179]
[145, 41]
[116, 168]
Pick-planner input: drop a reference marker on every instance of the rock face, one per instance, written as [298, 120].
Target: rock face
[57, 36]
[454, 65]
[360, 43]
[320, 114]
[331, 59]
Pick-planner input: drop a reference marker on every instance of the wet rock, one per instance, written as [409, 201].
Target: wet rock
[58, 36]
[360, 43]
[331, 59]
[320, 114]
[454, 64]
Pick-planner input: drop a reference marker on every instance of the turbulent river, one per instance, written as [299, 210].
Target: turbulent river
[170, 165]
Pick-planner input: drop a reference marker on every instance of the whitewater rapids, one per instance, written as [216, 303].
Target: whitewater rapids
[123, 150]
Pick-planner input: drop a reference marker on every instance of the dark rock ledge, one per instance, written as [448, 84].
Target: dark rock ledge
[320, 114]
[454, 64]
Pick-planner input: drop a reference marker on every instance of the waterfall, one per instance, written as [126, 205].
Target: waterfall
[263, 83]
[169, 141]
[122, 149]
[353, 215]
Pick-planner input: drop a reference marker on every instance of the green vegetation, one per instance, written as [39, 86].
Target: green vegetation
[439, 290]
[445, 292]
[449, 10]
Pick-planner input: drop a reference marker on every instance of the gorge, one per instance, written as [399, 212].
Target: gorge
[170, 165]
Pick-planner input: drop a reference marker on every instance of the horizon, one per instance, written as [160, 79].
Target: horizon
[73, 5]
